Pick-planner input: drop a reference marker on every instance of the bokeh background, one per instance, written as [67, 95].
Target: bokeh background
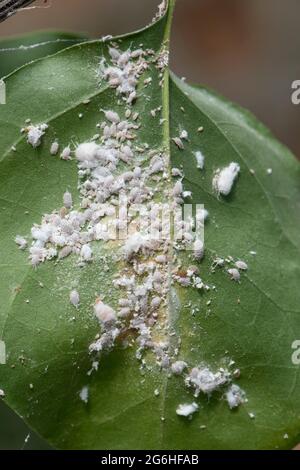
[247, 50]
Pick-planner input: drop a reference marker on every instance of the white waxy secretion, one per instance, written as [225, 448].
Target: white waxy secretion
[224, 179]
[86, 253]
[205, 381]
[178, 367]
[21, 242]
[200, 159]
[235, 396]
[84, 394]
[187, 409]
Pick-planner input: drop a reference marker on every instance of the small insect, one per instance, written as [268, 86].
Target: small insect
[35, 134]
[224, 179]
[86, 253]
[114, 53]
[21, 242]
[161, 259]
[198, 252]
[234, 274]
[178, 189]
[66, 154]
[155, 302]
[84, 394]
[241, 265]
[132, 97]
[187, 410]
[104, 313]
[178, 367]
[176, 172]
[200, 159]
[74, 298]
[64, 252]
[269, 171]
[54, 148]
[178, 142]
[67, 199]
[235, 396]
[112, 116]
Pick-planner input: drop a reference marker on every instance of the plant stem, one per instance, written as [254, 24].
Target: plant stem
[171, 8]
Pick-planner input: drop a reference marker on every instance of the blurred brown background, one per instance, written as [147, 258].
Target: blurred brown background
[247, 50]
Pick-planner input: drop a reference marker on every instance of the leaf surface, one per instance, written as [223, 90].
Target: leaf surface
[20, 50]
[252, 323]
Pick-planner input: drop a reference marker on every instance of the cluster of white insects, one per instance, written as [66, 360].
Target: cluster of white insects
[113, 167]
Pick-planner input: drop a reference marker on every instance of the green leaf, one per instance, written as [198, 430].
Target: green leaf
[20, 50]
[252, 323]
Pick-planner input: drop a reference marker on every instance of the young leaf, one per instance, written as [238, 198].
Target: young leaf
[240, 331]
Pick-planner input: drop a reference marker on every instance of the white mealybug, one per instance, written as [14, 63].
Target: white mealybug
[66, 153]
[176, 172]
[84, 394]
[178, 142]
[114, 53]
[74, 298]
[198, 249]
[67, 199]
[224, 179]
[234, 274]
[155, 302]
[86, 253]
[200, 159]
[112, 116]
[201, 215]
[2, 394]
[235, 396]
[21, 242]
[161, 259]
[241, 265]
[177, 190]
[54, 148]
[187, 410]
[64, 252]
[178, 367]
[35, 134]
[104, 313]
